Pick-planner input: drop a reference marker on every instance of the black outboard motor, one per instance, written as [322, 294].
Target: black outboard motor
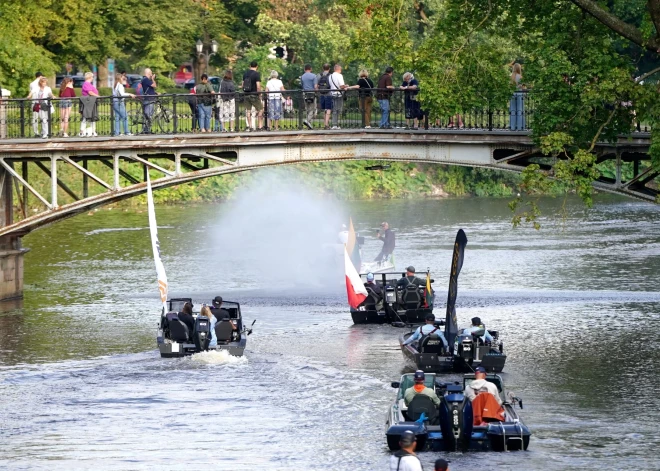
[465, 348]
[201, 333]
[455, 419]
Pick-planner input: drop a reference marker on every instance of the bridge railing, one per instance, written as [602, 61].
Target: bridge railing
[240, 112]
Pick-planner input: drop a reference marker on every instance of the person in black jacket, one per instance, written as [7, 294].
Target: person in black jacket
[186, 317]
[387, 236]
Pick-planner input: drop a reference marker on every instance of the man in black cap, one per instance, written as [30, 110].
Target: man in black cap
[427, 329]
[220, 313]
[481, 385]
[441, 465]
[405, 459]
[420, 388]
[409, 279]
[387, 236]
[477, 326]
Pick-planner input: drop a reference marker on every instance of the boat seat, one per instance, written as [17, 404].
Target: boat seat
[411, 297]
[422, 404]
[224, 330]
[372, 300]
[178, 330]
[432, 344]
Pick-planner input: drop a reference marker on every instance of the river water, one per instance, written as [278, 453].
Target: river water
[83, 387]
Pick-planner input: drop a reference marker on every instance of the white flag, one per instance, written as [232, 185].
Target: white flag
[153, 228]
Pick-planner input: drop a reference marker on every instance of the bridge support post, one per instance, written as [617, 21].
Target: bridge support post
[618, 168]
[11, 252]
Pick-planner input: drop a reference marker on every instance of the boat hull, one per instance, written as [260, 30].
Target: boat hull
[178, 350]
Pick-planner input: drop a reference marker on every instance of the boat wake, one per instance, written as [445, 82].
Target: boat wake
[221, 357]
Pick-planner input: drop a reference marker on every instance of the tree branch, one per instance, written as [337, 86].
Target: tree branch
[619, 26]
[600, 130]
[647, 74]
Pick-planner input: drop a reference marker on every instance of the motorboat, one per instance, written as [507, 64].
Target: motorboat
[395, 305]
[467, 348]
[384, 266]
[455, 425]
[469, 351]
[176, 339]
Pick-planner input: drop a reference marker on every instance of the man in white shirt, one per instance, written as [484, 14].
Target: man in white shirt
[405, 459]
[34, 90]
[337, 86]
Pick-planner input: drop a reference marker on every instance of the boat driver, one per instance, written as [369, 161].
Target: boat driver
[427, 329]
[476, 327]
[372, 285]
[220, 313]
[420, 388]
[409, 279]
[481, 385]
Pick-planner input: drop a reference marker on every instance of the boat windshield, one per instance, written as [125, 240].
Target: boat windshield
[408, 381]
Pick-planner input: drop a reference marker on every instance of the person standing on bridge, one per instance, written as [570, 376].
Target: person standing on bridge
[66, 103]
[337, 87]
[251, 88]
[89, 107]
[42, 106]
[204, 92]
[413, 110]
[149, 98]
[516, 104]
[383, 95]
[227, 101]
[34, 89]
[274, 86]
[366, 99]
[119, 106]
[310, 84]
[323, 85]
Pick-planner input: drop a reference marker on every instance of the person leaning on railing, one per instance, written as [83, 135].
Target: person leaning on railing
[516, 104]
[148, 84]
[88, 107]
[413, 109]
[383, 96]
[119, 106]
[366, 99]
[310, 83]
[42, 93]
[204, 92]
[66, 103]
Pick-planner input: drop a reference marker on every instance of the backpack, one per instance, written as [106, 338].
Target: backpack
[247, 84]
[138, 89]
[324, 83]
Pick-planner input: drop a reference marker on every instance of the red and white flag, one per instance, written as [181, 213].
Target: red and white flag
[355, 289]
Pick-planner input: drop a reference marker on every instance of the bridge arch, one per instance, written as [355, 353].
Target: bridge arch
[183, 159]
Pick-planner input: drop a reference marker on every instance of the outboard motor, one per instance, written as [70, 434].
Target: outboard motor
[455, 419]
[464, 347]
[201, 333]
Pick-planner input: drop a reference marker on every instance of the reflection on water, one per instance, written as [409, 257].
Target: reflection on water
[82, 385]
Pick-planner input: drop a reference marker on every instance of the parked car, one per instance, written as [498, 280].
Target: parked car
[182, 75]
[213, 80]
[133, 80]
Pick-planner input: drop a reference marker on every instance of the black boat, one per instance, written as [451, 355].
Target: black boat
[466, 349]
[402, 306]
[451, 425]
[176, 339]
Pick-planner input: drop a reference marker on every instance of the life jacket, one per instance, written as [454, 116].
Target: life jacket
[485, 408]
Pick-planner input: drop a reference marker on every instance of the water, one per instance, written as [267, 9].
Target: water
[83, 387]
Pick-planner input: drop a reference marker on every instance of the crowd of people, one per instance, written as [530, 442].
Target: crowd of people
[324, 92]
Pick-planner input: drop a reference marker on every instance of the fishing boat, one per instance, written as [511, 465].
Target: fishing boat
[456, 424]
[178, 335]
[467, 348]
[177, 339]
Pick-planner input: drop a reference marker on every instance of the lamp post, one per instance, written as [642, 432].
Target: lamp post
[199, 46]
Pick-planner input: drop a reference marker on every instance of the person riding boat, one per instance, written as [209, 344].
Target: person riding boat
[372, 285]
[186, 317]
[481, 385]
[206, 311]
[477, 327]
[420, 388]
[427, 329]
[409, 279]
[220, 313]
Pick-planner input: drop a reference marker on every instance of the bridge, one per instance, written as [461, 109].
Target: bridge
[110, 168]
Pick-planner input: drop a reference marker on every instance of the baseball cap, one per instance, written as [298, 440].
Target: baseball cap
[217, 300]
[430, 317]
[476, 321]
[407, 438]
[480, 369]
[370, 277]
[411, 269]
[419, 375]
[441, 464]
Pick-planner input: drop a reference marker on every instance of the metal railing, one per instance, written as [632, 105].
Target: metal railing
[239, 112]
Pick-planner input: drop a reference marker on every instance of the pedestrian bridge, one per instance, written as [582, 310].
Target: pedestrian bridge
[112, 169]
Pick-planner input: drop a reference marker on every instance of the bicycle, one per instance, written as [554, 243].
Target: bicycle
[161, 118]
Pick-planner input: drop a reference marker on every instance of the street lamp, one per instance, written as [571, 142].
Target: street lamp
[199, 46]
